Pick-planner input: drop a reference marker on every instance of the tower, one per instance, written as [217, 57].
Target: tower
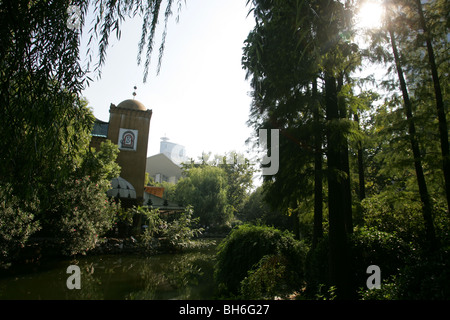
[129, 125]
[173, 151]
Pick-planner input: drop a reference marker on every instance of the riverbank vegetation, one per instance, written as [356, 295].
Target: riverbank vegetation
[364, 170]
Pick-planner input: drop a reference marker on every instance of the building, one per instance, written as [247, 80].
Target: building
[173, 151]
[154, 198]
[128, 127]
[165, 166]
[161, 168]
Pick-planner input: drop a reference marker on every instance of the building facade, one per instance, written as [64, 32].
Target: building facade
[161, 168]
[128, 127]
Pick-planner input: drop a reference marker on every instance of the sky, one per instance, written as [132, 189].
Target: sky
[200, 99]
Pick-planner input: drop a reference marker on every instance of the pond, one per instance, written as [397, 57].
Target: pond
[186, 275]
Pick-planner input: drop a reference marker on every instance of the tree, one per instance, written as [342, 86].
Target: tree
[318, 164]
[44, 123]
[100, 164]
[310, 41]
[443, 133]
[239, 173]
[423, 190]
[205, 188]
[282, 64]
[395, 18]
[41, 79]
[257, 210]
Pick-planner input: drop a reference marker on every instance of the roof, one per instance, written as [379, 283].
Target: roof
[121, 188]
[163, 205]
[160, 163]
[132, 105]
[100, 128]
[157, 191]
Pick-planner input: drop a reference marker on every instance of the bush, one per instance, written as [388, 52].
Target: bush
[388, 290]
[404, 218]
[368, 246]
[170, 236]
[268, 280]
[177, 234]
[16, 223]
[427, 279]
[81, 214]
[386, 250]
[241, 252]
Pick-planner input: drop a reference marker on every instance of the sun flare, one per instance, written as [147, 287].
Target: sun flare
[370, 15]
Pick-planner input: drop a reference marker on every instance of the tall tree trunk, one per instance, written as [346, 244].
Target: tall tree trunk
[423, 191]
[346, 188]
[340, 266]
[443, 133]
[362, 187]
[318, 185]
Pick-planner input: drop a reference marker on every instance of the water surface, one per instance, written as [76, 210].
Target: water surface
[187, 275]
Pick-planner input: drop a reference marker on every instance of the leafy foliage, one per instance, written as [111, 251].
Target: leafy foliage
[257, 210]
[386, 250]
[108, 17]
[100, 164]
[244, 248]
[369, 246]
[17, 223]
[268, 280]
[205, 188]
[426, 279]
[81, 214]
[173, 235]
[381, 151]
[176, 235]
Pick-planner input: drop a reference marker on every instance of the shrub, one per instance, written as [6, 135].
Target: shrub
[81, 214]
[388, 290]
[368, 246]
[404, 218]
[243, 249]
[427, 279]
[177, 234]
[171, 236]
[16, 223]
[268, 280]
[386, 250]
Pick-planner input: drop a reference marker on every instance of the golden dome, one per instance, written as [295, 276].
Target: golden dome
[132, 105]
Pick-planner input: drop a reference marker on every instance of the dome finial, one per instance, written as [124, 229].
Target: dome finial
[134, 92]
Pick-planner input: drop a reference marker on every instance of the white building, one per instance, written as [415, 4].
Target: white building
[161, 168]
[173, 151]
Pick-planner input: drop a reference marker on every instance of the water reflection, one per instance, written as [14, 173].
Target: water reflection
[167, 276]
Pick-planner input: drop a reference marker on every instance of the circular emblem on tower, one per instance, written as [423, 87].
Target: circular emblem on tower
[128, 139]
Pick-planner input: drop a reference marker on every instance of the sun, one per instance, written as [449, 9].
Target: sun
[370, 14]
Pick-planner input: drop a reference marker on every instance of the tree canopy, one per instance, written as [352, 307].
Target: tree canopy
[366, 144]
